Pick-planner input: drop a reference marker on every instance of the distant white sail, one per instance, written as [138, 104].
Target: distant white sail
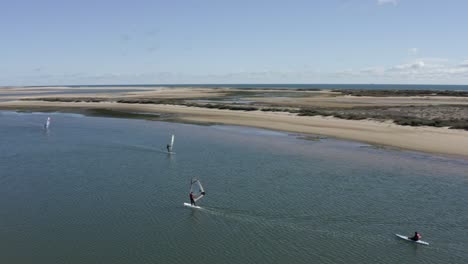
[169, 146]
[197, 189]
[47, 124]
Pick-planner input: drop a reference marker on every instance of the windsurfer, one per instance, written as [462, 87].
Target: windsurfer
[192, 200]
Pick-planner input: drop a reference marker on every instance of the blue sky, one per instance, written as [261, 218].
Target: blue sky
[214, 41]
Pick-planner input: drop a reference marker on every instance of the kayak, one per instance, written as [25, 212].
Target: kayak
[410, 240]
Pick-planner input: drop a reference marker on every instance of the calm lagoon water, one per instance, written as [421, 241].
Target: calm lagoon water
[102, 190]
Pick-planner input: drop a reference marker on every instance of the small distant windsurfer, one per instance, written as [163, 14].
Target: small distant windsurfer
[416, 236]
[47, 124]
[192, 200]
[170, 145]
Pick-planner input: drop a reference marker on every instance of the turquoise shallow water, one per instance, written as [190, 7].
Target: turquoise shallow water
[102, 190]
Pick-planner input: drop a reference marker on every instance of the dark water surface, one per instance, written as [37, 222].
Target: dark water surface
[102, 190]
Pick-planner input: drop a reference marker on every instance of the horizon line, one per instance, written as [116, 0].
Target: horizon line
[225, 84]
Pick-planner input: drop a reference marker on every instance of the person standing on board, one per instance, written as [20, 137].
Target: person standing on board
[47, 124]
[416, 236]
[192, 201]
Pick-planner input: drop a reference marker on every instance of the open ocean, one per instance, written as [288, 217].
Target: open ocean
[102, 190]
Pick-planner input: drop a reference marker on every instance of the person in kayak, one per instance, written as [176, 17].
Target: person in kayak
[192, 200]
[416, 236]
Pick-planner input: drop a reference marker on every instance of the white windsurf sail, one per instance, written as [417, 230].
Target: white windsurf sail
[197, 189]
[47, 124]
[169, 146]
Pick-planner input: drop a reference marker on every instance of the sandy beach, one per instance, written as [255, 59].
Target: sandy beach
[440, 140]
[426, 139]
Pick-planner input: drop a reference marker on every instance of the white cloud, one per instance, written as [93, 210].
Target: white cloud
[263, 76]
[413, 51]
[463, 64]
[433, 60]
[387, 2]
[419, 71]
[406, 66]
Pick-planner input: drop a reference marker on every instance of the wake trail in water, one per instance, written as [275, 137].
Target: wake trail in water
[353, 237]
[141, 148]
[273, 223]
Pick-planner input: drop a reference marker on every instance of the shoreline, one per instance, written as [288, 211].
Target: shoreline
[425, 139]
